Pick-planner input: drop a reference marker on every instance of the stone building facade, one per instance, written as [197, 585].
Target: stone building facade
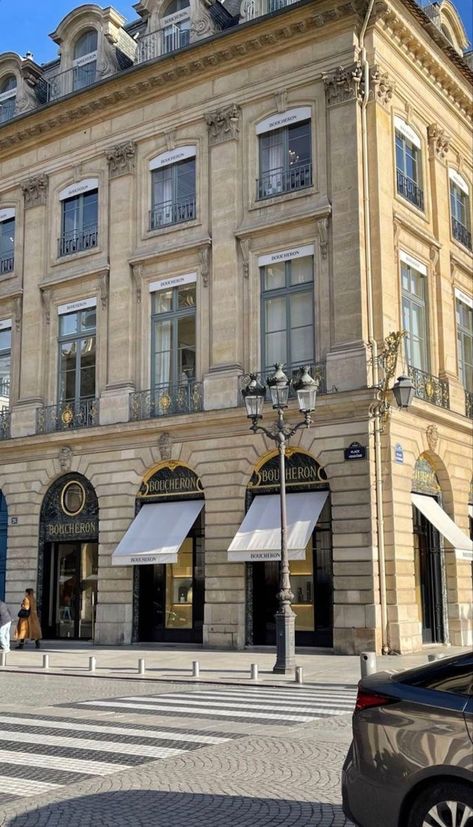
[196, 195]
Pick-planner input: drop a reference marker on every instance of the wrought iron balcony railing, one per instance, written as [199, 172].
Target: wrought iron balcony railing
[469, 404]
[7, 263]
[430, 388]
[72, 80]
[280, 180]
[67, 416]
[317, 371]
[167, 399]
[172, 212]
[5, 387]
[152, 45]
[461, 233]
[410, 190]
[77, 240]
[5, 418]
[256, 8]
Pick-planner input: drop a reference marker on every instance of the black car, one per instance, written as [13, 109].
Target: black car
[410, 763]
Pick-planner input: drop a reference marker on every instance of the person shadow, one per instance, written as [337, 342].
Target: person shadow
[158, 808]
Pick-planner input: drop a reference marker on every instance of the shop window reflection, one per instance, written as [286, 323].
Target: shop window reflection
[179, 589]
[302, 579]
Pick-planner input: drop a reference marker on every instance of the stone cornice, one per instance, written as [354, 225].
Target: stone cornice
[96, 273]
[424, 235]
[253, 38]
[247, 231]
[148, 258]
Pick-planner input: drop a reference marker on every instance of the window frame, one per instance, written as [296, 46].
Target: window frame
[414, 189]
[5, 269]
[303, 173]
[80, 62]
[413, 299]
[287, 291]
[5, 385]
[174, 315]
[77, 243]
[463, 332]
[8, 95]
[459, 194]
[183, 210]
[76, 337]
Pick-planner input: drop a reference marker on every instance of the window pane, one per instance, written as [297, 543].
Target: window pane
[271, 151]
[5, 339]
[302, 346]
[68, 324]
[162, 186]
[186, 348]
[299, 143]
[185, 175]
[88, 319]
[301, 271]
[86, 44]
[163, 301]
[70, 215]
[400, 152]
[301, 309]
[5, 366]
[162, 352]
[186, 297]
[275, 314]
[275, 276]
[7, 236]
[90, 202]
[67, 370]
[275, 348]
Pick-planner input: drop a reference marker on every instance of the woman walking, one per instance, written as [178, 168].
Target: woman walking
[28, 626]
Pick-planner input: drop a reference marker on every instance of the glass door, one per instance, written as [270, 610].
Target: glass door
[73, 590]
[428, 579]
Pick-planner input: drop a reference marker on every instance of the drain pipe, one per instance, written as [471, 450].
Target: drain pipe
[371, 337]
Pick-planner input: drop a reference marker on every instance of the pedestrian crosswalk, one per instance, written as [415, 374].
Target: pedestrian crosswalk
[96, 738]
[271, 705]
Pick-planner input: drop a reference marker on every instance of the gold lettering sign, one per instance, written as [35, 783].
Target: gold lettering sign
[77, 528]
[301, 470]
[170, 479]
[425, 480]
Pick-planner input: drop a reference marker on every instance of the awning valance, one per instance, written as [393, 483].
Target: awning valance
[444, 524]
[259, 536]
[157, 533]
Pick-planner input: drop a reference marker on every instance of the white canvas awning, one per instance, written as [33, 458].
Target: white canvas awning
[259, 536]
[157, 533]
[444, 524]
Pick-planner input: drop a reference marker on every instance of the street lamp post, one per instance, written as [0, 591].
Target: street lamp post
[254, 394]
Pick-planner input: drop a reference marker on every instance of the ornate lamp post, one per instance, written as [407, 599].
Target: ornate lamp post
[254, 395]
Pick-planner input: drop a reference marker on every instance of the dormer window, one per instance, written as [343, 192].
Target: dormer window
[176, 26]
[7, 98]
[85, 60]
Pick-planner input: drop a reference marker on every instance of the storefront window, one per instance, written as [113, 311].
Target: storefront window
[302, 582]
[179, 595]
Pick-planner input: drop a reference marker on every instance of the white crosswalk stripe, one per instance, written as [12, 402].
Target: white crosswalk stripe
[24, 787]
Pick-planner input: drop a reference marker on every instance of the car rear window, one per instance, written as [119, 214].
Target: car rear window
[456, 679]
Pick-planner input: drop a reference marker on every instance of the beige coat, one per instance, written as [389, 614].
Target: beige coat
[28, 627]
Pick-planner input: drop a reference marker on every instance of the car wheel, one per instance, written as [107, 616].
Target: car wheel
[450, 804]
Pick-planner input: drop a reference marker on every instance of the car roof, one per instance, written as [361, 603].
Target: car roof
[436, 669]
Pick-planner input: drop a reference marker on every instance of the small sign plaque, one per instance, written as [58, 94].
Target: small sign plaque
[355, 451]
[398, 453]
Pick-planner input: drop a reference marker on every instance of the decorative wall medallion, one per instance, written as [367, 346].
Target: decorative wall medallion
[223, 124]
[343, 84]
[432, 435]
[439, 141]
[165, 443]
[35, 191]
[382, 85]
[73, 498]
[121, 159]
[65, 458]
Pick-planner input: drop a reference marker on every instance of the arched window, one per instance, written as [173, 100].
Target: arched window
[446, 31]
[85, 60]
[7, 98]
[176, 26]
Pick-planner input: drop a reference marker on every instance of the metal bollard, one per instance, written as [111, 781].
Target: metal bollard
[92, 664]
[45, 661]
[141, 666]
[3, 658]
[299, 676]
[254, 671]
[195, 669]
[368, 663]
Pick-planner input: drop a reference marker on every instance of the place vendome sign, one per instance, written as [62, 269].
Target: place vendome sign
[171, 479]
[302, 471]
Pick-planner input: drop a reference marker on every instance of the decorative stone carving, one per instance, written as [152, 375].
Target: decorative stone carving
[46, 303]
[439, 141]
[249, 9]
[322, 229]
[65, 458]
[435, 259]
[35, 191]
[245, 254]
[224, 124]
[165, 443]
[202, 27]
[170, 138]
[121, 159]
[137, 273]
[432, 435]
[280, 99]
[204, 260]
[18, 312]
[104, 279]
[382, 86]
[343, 84]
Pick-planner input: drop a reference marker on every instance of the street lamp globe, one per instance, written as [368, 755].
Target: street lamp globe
[253, 396]
[306, 388]
[403, 392]
[278, 385]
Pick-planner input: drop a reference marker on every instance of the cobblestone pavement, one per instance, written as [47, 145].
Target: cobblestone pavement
[176, 764]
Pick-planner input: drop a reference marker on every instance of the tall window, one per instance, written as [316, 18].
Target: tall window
[173, 336]
[288, 313]
[7, 245]
[173, 193]
[414, 317]
[176, 26]
[5, 367]
[284, 160]
[85, 60]
[7, 98]
[465, 343]
[460, 209]
[408, 164]
[79, 223]
[77, 351]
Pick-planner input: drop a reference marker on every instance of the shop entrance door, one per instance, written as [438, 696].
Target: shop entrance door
[428, 578]
[70, 590]
[311, 583]
[171, 597]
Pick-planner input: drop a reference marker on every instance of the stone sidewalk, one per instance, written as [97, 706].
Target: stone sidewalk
[174, 663]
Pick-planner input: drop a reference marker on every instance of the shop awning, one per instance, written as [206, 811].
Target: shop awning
[444, 524]
[157, 533]
[259, 536]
